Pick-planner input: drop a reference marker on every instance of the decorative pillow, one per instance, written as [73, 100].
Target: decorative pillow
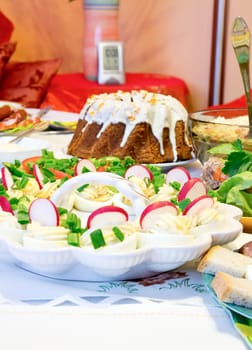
[27, 82]
[7, 28]
[6, 51]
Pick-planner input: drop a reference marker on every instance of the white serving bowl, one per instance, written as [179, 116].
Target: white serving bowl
[26, 147]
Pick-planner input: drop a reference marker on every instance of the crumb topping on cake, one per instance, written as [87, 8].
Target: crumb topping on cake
[131, 108]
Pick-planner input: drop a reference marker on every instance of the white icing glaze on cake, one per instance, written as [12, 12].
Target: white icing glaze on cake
[132, 108]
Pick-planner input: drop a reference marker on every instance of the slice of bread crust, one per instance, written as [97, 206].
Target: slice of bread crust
[223, 259]
[232, 290]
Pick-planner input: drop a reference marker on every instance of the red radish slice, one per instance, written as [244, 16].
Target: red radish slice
[154, 211]
[178, 174]
[84, 163]
[138, 170]
[44, 211]
[198, 204]
[192, 189]
[7, 179]
[38, 175]
[5, 205]
[107, 216]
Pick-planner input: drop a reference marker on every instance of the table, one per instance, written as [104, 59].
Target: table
[37, 312]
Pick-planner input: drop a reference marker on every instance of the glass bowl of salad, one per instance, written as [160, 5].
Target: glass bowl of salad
[222, 141]
[213, 127]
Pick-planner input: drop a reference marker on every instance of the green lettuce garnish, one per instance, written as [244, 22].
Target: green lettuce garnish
[236, 191]
[237, 159]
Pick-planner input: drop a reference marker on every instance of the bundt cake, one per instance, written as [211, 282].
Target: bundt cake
[149, 127]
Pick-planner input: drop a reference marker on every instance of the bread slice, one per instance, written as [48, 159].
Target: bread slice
[232, 290]
[223, 259]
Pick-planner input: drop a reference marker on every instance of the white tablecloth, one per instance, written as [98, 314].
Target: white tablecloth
[37, 312]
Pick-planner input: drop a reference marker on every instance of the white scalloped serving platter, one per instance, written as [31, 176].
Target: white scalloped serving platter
[156, 256]
[72, 263]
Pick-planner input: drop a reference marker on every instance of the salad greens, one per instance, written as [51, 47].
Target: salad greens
[61, 169]
[19, 128]
[237, 188]
[237, 159]
[113, 164]
[50, 167]
[49, 161]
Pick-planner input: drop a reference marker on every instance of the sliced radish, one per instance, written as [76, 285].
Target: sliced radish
[38, 175]
[7, 179]
[198, 204]
[5, 205]
[84, 163]
[138, 170]
[178, 174]
[192, 189]
[44, 211]
[154, 211]
[106, 216]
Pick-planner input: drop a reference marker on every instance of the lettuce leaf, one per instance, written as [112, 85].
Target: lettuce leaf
[237, 191]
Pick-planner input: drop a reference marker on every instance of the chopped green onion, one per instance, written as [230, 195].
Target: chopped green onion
[147, 181]
[97, 239]
[184, 203]
[113, 189]
[23, 217]
[62, 211]
[14, 203]
[82, 188]
[23, 202]
[85, 170]
[118, 233]
[64, 179]
[73, 223]
[21, 183]
[73, 239]
[3, 191]
[176, 185]
[48, 175]
[14, 170]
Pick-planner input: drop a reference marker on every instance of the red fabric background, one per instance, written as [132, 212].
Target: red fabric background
[238, 103]
[69, 92]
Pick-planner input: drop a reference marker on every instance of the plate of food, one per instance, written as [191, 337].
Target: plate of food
[242, 310]
[226, 272]
[15, 118]
[59, 120]
[241, 316]
[102, 225]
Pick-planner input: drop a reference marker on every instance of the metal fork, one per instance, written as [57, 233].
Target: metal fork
[241, 46]
[42, 125]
